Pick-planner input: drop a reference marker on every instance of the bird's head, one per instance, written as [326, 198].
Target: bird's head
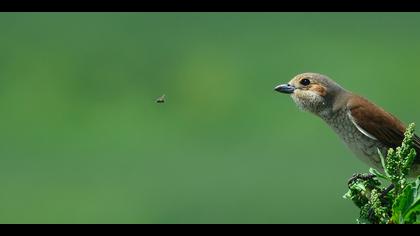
[312, 92]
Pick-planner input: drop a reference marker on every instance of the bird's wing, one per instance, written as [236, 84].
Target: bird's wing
[378, 124]
[374, 122]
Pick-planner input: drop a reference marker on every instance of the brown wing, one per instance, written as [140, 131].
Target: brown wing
[380, 124]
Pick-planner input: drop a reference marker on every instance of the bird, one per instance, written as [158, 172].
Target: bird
[363, 126]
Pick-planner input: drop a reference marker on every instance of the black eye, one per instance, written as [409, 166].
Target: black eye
[305, 82]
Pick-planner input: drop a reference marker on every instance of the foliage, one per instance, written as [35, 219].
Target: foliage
[399, 203]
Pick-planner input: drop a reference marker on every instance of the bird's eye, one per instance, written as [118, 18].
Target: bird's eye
[305, 82]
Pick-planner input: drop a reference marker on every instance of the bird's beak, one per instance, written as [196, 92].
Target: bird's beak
[285, 88]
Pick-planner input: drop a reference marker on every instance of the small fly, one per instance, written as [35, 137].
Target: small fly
[161, 99]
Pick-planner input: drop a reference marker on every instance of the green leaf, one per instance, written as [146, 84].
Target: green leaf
[348, 195]
[406, 207]
[378, 174]
[362, 220]
[417, 189]
[400, 205]
[413, 213]
[383, 163]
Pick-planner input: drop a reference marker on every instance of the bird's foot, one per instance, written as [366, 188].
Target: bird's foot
[386, 191]
[359, 176]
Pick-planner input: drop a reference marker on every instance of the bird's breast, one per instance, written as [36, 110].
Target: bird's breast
[364, 147]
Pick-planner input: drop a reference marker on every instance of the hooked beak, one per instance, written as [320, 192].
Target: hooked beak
[285, 88]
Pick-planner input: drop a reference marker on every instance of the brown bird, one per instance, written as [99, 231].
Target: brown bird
[363, 126]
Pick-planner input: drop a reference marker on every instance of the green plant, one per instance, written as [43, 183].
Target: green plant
[399, 203]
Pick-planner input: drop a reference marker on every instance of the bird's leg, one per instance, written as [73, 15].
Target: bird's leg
[386, 191]
[353, 178]
[360, 176]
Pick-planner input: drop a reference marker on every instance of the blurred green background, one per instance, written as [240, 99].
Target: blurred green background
[83, 141]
